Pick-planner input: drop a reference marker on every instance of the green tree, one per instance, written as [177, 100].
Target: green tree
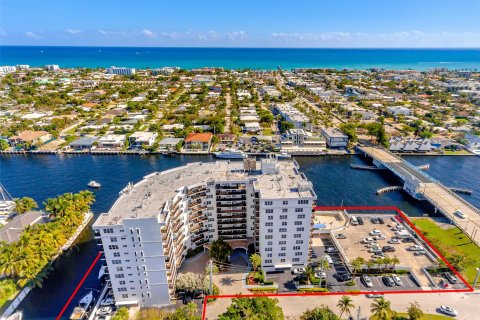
[25, 204]
[262, 308]
[309, 273]
[220, 250]
[319, 313]
[255, 260]
[357, 263]
[121, 314]
[414, 311]
[190, 281]
[4, 145]
[381, 309]
[345, 304]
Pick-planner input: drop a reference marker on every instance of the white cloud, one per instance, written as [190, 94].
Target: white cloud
[73, 31]
[414, 38]
[112, 33]
[32, 35]
[148, 33]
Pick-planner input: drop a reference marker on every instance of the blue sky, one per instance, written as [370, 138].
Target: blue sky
[241, 23]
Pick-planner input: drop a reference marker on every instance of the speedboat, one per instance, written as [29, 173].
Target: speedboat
[16, 316]
[94, 184]
[86, 301]
[7, 205]
[102, 272]
[230, 154]
[283, 155]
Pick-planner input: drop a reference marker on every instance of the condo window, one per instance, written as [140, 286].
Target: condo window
[296, 259]
[282, 254]
[296, 247]
[301, 216]
[298, 253]
[282, 230]
[283, 217]
[109, 230]
[285, 202]
[268, 224]
[113, 239]
[298, 223]
[282, 260]
[302, 201]
[124, 296]
[268, 261]
[268, 203]
[298, 209]
[285, 210]
[284, 223]
[301, 229]
[113, 247]
[269, 211]
[270, 218]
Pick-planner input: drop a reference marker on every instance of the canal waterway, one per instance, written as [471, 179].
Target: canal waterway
[44, 176]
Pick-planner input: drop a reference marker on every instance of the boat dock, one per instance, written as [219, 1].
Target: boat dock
[421, 186]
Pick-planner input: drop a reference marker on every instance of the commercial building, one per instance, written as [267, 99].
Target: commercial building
[121, 71]
[335, 137]
[147, 232]
[7, 69]
[52, 67]
[293, 115]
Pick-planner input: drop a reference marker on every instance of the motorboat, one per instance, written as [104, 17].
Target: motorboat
[7, 205]
[230, 154]
[15, 316]
[81, 311]
[102, 272]
[94, 184]
[283, 155]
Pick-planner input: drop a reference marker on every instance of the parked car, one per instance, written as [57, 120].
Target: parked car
[374, 294]
[374, 250]
[353, 220]
[378, 255]
[389, 249]
[450, 278]
[397, 280]
[460, 214]
[341, 236]
[320, 274]
[298, 271]
[103, 311]
[360, 221]
[343, 277]
[374, 220]
[394, 241]
[367, 281]
[107, 302]
[408, 240]
[415, 248]
[368, 240]
[331, 250]
[388, 281]
[419, 253]
[375, 232]
[328, 259]
[381, 221]
[448, 311]
[379, 237]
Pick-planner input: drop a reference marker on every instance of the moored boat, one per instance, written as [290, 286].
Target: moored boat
[230, 154]
[94, 184]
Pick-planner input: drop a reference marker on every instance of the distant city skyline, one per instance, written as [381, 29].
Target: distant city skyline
[282, 24]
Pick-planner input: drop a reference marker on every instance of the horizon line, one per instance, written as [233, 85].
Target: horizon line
[220, 47]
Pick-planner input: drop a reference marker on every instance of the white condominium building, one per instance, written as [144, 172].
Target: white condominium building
[121, 71]
[147, 232]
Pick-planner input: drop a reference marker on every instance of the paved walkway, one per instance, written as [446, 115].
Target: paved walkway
[465, 304]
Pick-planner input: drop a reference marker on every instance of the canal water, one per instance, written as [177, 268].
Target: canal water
[44, 176]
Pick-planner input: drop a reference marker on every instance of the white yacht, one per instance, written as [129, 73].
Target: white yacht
[81, 311]
[283, 155]
[94, 184]
[7, 205]
[230, 154]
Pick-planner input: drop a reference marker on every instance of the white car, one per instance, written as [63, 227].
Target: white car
[368, 240]
[461, 214]
[374, 294]
[298, 270]
[448, 311]
[320, 274]
[394, 241]
[103, 311]
[107, 302]
[375, 232]
[331, 250]
[415, 248]
[379, 237]
[397, 280]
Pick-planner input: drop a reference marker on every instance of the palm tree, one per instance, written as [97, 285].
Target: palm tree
[357, 263]
[309, 272]
[386, 261]
[395, 261]
[381, 309]
[345, 304]
[370, 264]
[255, 260]
[8, 260]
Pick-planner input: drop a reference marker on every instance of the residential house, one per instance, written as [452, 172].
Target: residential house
[198, 141]
[140, 138]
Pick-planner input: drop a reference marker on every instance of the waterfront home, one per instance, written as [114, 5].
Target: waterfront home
[12, 231]
[335, 137]
[226, 137]
[29, 137]
[140, 138]
[198, 141]
[169, 143]
[83, 143]
[112, 141]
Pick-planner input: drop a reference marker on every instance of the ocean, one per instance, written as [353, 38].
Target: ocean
[335, 183]
[239, 58]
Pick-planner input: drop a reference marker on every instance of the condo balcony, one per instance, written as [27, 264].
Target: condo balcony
[195, 190]
[231, 204]
[230, 192]
[179, 239]
[232, 221]
[230, 186]
[198, 196]
[198, 216]
[232, 197]
[195, 227]
[197, 237]
[232, 210]
[234, 237]
[202, 241]
[232, 227]
[177, 226]
[232, 232]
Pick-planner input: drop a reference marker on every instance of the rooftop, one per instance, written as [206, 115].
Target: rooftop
[147, 198]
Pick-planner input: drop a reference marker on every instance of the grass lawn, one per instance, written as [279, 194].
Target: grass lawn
[449, 241]
[457, 152]
[7, 289]
[427, 316]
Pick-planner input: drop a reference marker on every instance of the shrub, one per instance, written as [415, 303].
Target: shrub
[268, 283]
[313, 290]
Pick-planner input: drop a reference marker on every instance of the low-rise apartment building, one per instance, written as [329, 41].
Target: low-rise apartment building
[147, 232]
[335, 137]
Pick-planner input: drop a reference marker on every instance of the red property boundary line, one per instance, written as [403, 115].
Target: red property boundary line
[404, 217]
[79, 285]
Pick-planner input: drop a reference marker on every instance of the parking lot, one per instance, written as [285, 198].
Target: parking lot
[354, 246]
